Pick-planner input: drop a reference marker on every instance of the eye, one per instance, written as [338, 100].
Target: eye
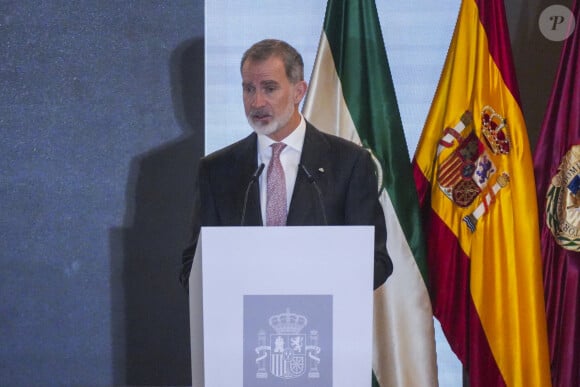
[270, 87]
[249, 89]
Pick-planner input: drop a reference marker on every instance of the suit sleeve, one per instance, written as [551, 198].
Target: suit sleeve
[203, 215]
[363, 208]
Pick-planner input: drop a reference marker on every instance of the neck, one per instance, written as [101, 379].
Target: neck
[287, 129]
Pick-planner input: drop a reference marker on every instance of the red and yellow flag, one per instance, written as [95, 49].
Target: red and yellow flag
[474, 175]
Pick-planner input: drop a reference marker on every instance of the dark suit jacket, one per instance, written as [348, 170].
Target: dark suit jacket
[343, 171]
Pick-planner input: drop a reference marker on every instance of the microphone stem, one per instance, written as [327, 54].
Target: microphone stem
[253, 179]
[312, 180]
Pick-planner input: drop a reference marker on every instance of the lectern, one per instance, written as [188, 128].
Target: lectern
[282, 306]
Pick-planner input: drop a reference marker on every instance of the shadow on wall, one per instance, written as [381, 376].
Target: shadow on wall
[150, 309]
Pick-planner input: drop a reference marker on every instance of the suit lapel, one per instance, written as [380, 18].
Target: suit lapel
[304, 206]
[246, 163]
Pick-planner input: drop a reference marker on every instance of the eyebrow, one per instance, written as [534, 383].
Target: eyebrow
[265, 83]
[269, 83]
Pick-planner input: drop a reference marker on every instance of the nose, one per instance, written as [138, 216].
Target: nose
[258, 100]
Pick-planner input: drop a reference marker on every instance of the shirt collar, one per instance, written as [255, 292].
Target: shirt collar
[294, 140]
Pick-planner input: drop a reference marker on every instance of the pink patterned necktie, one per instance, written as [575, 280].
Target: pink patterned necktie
[276, 189]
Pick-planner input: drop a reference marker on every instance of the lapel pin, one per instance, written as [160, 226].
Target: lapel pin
[321, 170]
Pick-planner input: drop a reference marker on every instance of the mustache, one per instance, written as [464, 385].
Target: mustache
[260, 112]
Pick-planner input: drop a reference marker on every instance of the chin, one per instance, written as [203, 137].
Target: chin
[266, 130]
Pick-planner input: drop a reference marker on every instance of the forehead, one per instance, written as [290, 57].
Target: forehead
[264, 70]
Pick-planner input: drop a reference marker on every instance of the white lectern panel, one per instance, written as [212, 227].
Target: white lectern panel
[282, 306]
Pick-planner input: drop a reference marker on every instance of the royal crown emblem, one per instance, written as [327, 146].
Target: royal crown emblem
[563, 201]
[287, 323]
[469, 172]
[492, 127]
[291, 353]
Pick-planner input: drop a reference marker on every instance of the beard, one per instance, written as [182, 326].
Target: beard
[275, 124]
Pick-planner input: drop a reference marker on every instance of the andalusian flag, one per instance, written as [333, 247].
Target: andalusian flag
[557, 167]
[474, 175]
[351, 95]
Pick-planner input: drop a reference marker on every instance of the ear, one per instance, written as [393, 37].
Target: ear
[300, 91]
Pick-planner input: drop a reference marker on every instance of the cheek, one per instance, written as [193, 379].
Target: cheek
[283, 101]
[247, 103]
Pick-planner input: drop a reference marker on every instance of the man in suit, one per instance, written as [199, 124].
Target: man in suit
[312, 178]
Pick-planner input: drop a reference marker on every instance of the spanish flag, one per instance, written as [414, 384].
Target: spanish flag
[475, 180]
[351, 95]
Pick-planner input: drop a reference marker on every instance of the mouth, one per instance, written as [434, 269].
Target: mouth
[260, 116]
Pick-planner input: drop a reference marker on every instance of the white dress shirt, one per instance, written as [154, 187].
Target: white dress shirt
[290, 159]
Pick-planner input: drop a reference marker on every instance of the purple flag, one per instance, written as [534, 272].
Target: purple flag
[557, 171]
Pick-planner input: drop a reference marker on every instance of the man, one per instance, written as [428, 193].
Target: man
[311, 178]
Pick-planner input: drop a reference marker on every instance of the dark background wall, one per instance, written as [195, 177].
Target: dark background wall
[101, 119]
[101, 115]
[536, 58]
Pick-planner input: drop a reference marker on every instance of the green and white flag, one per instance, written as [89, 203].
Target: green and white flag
[351, 94]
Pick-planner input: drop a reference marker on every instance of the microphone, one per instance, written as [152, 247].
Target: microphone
[312, 181]
[253, 179]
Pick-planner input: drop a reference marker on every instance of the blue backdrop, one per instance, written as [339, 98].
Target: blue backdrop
[101, 112]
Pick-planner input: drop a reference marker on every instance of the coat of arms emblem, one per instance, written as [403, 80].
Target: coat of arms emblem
[563, 201]
[286, 352]
[468, 173]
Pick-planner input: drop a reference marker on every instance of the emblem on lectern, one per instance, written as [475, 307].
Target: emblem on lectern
[287, 340]
[286, 352]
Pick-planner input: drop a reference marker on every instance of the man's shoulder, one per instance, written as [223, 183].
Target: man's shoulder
[332, 140]
[233, 151]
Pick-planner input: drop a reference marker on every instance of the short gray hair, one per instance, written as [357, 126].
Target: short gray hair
[267, 48]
